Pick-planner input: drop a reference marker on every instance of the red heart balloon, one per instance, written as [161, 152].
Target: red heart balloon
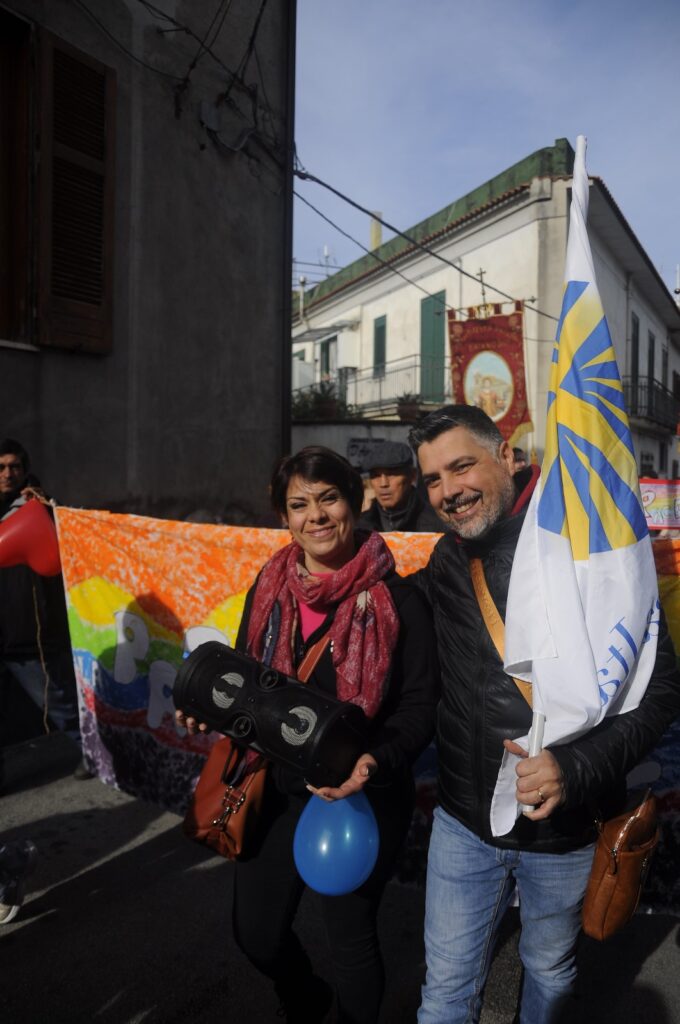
[29, 537]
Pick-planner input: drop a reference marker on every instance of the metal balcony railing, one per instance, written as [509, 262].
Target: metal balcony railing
[647, 399]
[378, 390]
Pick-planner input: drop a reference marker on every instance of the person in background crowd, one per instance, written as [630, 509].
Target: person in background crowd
[397, 504]
[337, 582]
[470, 474]
[520, 458]
[17, 861]
[35, 646]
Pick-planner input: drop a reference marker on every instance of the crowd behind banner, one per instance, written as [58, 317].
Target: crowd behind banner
[142, 592]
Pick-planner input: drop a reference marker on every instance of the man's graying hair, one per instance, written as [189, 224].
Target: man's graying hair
[475, 421]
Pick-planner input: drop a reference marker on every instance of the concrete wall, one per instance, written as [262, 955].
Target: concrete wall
[339, 436]
[188, 410]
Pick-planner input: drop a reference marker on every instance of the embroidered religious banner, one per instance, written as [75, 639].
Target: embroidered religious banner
[487, 367]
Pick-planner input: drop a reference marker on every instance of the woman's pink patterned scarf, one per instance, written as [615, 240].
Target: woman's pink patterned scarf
[364, 630]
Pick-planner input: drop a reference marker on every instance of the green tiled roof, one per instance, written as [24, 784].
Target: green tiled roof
[552, 162]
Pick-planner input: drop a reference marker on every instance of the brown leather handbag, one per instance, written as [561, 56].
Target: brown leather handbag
[225, 805]
[623, 853]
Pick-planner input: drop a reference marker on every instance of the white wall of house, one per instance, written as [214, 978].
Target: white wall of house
[521, 246]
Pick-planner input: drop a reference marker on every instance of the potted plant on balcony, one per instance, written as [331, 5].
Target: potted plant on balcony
[326, 401]
[408, 407]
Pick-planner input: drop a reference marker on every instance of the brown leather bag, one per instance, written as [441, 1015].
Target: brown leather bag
[225, 805]
[623, 853]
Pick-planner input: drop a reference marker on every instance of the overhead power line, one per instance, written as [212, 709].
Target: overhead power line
[306, 176]
[371, 252]
[121, 46]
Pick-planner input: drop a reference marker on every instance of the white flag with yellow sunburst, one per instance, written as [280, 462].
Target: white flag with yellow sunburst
[583, 607]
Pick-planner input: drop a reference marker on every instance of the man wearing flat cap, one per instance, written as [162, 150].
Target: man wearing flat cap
[397, 504]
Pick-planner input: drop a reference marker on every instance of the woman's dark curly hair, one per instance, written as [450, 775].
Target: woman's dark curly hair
[317, 465]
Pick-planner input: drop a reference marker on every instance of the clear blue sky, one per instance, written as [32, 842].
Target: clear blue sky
[407, 104]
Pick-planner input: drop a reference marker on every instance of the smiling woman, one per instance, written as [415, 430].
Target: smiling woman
[321, 522]
[335, 582]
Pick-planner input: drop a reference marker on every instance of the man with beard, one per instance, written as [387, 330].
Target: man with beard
[469, 472]
[35, 647]
[397, 504]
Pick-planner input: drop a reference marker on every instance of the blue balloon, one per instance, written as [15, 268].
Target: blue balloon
[336, 844]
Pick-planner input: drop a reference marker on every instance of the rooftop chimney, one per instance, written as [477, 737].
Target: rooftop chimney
[376, 231]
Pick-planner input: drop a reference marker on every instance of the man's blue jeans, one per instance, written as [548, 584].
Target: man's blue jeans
[469, 887]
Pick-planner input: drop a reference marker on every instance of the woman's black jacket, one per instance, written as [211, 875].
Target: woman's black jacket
[481, 706]
[405, 722]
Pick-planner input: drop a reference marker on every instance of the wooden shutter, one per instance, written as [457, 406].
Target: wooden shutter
[432, 323]
[75, 221]
[379, 345]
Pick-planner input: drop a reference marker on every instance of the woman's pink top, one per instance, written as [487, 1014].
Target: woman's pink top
[311, 616]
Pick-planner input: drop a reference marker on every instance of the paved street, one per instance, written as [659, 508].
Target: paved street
[126, 921]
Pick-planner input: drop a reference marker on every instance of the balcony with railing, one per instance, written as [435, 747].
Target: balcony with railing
[647, 399]
[380, 391]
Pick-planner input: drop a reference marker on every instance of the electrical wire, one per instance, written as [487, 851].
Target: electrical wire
[162, 16]
[388, 266]
[243, 63]
[378, 259]
[234, 78]
[223, 9]
[299, 172]
[308, 263]
[121, 46]
[267, 105]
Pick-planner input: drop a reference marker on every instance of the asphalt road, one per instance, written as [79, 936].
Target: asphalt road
[126, 921]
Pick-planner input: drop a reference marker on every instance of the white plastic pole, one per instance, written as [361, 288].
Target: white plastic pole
[535, 746]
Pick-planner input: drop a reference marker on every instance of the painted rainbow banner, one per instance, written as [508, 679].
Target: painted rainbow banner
[141, 592]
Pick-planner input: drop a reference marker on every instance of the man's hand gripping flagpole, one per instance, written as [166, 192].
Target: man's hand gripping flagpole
[535, 747]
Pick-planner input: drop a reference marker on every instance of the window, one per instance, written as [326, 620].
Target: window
[634, 353]
[663, 458]
[56, 233]
[328, 359]
[676, 384]
[432, 342]
[379, 345]
[647, 464]
[664, 366]
[651, 356]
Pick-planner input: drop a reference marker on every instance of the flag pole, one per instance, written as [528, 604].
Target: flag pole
[535, 746]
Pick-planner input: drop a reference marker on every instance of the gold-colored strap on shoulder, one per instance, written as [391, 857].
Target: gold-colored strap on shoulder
[493, 621]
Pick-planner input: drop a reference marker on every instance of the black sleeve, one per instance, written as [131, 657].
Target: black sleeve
[405, 724]
[594, 764]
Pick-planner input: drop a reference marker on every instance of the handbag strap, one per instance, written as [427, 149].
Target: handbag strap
[311, 658]
[493, 621]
